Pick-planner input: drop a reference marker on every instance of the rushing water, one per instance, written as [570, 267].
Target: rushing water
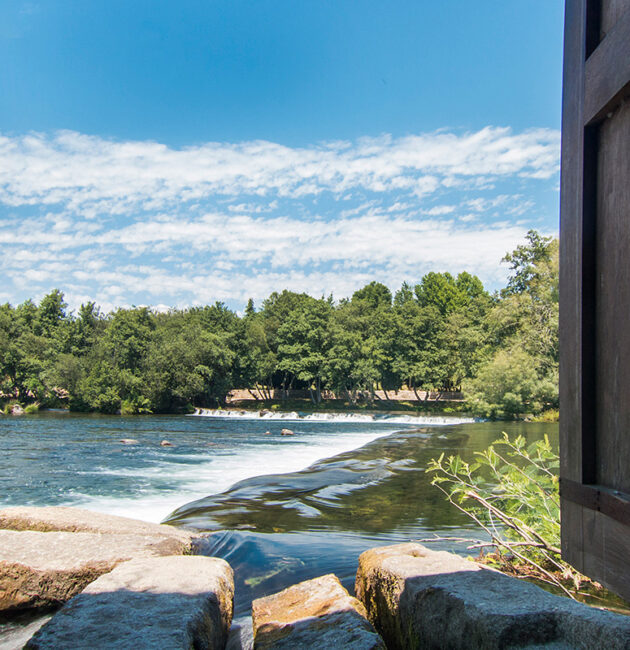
[286, 508]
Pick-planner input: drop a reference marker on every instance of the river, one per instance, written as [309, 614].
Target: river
[286, 508]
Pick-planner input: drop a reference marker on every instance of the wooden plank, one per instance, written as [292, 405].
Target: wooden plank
[610, 13]
[607, 71]
[612, 503]
[616, 554]
[571, 244]
[595, 292]
[590, 388]
[593, 546]
[571, 541]
[613, 302]
[606, 548]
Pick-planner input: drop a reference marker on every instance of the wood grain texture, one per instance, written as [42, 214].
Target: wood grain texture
[571, 243]
[611, 11]
[612, 450]
[607, 70]
[595, 292]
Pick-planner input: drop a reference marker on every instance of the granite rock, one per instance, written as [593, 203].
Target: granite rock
[317, 613]
[167, 602]
[419, 598]
[47, 555]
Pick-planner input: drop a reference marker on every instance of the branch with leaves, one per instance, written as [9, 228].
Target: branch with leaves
[511, 492]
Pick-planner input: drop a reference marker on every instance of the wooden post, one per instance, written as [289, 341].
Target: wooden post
[595, 292]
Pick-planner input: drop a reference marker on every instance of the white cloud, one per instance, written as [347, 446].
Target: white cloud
[127, 223]
[91, 175]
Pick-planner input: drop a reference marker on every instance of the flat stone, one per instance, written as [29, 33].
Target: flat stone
[69, 519]
[47, 555]
[46, 569]
[167, 602]
[318, 613]
[420, 598]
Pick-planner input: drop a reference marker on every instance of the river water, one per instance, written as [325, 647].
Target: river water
[282, 508]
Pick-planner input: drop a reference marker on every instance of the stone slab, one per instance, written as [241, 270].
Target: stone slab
[79, 520]
[46, 569]
[317, 613]
[419, 598]
[168, 602]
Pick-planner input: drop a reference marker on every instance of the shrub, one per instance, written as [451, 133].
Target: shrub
[508, 385]
[511, 492]
[136, 406]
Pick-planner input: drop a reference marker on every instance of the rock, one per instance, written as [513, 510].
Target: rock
[129, 441]
[263, 412]
[267, 433]
[16, 409]
[318, 613]
[166, 443]
[420, 598]
[46, 569]
[79, 520]
[47, 555]
[287, 432]
[167, 602]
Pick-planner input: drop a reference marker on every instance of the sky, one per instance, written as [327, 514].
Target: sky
[178, 153]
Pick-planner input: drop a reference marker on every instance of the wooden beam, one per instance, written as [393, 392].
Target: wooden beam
[607, 72]
[612, 503]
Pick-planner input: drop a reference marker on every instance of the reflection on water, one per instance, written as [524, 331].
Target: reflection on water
[282, 528]
[274, 521]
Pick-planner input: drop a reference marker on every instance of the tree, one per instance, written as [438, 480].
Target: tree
[520, 373]
[302, 342]
[526, 260]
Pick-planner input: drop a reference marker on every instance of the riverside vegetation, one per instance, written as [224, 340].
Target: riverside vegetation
[443, 333]
[511, 491]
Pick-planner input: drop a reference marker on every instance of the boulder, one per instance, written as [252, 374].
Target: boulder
[79, 520]
[318, 613]
[287, 432]
[167, 443]
[47, 555]
[16, 409]
[418, 598]
[167, 602]
[46, 569]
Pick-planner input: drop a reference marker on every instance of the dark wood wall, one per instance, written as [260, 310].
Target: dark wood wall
[595, 292]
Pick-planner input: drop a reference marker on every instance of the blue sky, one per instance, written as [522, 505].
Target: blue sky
[175, 153]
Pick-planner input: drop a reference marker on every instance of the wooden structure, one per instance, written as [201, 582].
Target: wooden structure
[595, 292]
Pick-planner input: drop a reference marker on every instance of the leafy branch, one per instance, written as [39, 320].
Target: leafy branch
[512, 494]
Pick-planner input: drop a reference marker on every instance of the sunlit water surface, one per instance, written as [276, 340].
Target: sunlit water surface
[282, 508]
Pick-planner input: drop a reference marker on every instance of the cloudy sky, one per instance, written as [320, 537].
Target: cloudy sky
[173, 154]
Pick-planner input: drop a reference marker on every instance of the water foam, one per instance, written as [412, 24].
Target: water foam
[294, 416]
[172, 484]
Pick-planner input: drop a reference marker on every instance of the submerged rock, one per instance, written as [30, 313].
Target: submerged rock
[129, 441]
[168, 602]
[47, 555]
[318, 613]
[166, 443]
[287, 432]
[418, 598]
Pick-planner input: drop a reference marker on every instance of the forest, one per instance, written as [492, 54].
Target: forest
[444, 332]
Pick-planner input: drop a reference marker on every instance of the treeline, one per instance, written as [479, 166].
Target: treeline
[443, 333]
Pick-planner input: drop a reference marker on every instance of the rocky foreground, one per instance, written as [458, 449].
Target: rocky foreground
[122, 583]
